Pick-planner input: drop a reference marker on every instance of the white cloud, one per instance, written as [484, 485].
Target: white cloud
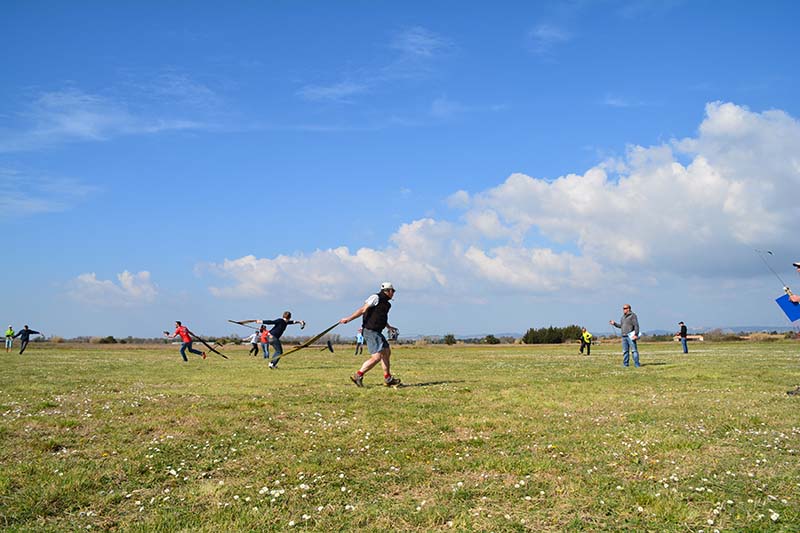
[415, 49]
[73, 115]
[420, 42]
[685, 208]
[459, 199]
[338, 92]
[23, 194]
[130, 289]
[544, 38]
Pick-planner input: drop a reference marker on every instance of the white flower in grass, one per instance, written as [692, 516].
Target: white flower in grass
[773, 515]
[291, 523]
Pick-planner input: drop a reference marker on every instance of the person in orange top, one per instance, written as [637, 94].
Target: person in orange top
[264, 335]
[186, 340]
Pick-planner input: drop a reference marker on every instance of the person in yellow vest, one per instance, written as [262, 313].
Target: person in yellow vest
[586, 341]
[9, 338]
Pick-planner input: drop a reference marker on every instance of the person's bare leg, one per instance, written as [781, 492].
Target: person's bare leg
[371, 362]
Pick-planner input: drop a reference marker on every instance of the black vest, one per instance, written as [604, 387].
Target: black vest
[376, 317]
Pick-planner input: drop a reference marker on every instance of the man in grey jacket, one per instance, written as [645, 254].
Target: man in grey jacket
[629, 324]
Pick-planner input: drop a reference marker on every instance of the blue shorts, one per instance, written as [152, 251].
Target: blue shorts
[375, 340]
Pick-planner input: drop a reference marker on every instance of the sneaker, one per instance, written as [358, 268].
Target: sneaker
[204, 355]
[794, 392]
[272, 366]
[358, 380]
[391, 381]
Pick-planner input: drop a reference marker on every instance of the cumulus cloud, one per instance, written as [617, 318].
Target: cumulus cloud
[684, 208]
[130, 289]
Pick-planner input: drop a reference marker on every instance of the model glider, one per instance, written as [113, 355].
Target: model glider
[243, 324]
[204, 343]
[789, 308]
[310, 341]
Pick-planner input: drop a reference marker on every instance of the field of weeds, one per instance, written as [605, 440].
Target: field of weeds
[500, 438]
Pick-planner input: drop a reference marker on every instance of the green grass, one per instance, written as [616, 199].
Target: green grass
[506, 438]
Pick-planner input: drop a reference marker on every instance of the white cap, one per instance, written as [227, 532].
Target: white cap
[387, 285]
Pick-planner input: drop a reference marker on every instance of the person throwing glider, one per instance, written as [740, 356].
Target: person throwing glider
[376, 317]
[794, 298]
[24, 336]
[186, 340]
[278, 327]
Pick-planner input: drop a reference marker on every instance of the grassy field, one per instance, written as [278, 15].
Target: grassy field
[506, 438]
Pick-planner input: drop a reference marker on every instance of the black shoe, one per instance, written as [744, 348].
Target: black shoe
[794, 392]
[391, 381]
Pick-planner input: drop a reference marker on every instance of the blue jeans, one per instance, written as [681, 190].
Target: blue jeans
[9, 343]
[265, 347]
[188, 346]
[277, 348]
[683, 343]
[629, 345]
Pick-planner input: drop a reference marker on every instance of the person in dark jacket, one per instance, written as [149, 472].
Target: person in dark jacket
[376, 317]
[682, 334]
[278, 327]
[24, 336]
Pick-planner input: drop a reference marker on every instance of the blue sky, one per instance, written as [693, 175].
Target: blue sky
[506, 165]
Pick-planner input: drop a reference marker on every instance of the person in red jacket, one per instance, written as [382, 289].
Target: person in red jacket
[186, 340]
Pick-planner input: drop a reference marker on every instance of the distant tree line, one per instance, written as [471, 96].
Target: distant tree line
[552, 335]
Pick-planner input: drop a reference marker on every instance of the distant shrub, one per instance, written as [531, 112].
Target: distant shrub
[107, 340]
[449, 339]
[764, 337]
[717, 335]
[659, 338]
[56, 339]
[491, 339]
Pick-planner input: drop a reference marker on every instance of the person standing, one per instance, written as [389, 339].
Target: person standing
[278, 327]
[253, 340]
[682, 334]
[586, 341]
[263, 335]
[9, 338]
[24, 336]
[186, 340]
[376, 317]
[794, 298]
[629, 326]
[359, 342]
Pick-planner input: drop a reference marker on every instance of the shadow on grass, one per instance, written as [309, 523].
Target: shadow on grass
[431, 383]
[659, 363]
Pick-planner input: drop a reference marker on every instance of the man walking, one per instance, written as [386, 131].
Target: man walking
[278, 327]
[629, 325]
[586, 341]
[24, 336]
[376, 317]
[9, 338]
[682, 335]
[186, 340]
